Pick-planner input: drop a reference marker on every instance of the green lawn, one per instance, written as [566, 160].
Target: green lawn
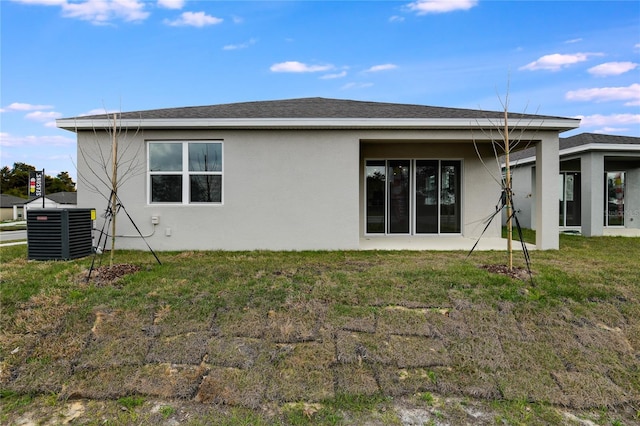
[325, 337]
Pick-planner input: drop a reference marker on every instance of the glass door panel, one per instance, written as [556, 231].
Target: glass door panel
[450, 197]
[614, 184]
[572, 199]
[398, 173]
[426, 200]
[562, 215]
[375, 184]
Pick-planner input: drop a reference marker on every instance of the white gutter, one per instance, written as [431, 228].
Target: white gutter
[600, 147]
[74, 124]
[619, 147]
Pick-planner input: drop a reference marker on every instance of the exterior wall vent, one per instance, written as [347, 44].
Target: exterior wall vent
[59, 234]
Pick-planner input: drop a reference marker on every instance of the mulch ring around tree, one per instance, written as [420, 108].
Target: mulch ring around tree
[108, 275]
[515, 272]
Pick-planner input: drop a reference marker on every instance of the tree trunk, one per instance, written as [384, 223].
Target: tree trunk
[507, 191]
[114, 188]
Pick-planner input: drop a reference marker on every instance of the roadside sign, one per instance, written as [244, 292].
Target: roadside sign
[36, 184]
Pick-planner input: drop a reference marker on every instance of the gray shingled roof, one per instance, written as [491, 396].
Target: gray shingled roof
[578, 140]
[7, 201]
[64, 197]
[587, 138]
[314, 108]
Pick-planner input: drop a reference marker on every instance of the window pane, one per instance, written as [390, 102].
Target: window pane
[427, 196]
[398, 175]
[573, 199]
[205, 157]
[206, 188]
[375, 172]
[166, 188]
[562, 189]
[450, 197]
[615, 198]
[165, 157]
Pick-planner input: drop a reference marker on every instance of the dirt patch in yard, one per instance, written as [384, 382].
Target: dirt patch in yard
[108, 275]
[515, 272]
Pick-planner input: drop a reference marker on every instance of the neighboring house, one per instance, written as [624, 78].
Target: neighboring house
[307, 174]
[57, 200]
[11, 207]
[598, 184]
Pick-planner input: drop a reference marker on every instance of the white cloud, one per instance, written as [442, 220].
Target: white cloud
[611, 130]
[43, 116]
[100, 12]
[557, 61]
[629, 94]
[99, 111]
[424, 7]
[19, 106]
[241, 45]
[613, 121]
[612, 68]
[171, 4]
[8, 140]
[383, 67]
[48, 118]
[350, 86]
[194, 19]
[333, 76]
[298, 67]
[573, 40]
[396, 18]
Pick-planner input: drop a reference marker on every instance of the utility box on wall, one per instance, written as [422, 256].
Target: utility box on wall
[59, 234]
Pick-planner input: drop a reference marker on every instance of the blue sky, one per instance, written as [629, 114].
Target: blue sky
[64, 58]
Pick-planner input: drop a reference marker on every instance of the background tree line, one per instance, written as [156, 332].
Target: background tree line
[15, 181]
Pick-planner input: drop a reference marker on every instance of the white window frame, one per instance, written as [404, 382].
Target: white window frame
[185, 173]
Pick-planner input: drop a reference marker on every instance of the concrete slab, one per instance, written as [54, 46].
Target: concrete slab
[621, 232]
[606, 232]
[440, 242]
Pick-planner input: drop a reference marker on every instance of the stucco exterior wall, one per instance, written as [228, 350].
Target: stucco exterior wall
[632, 199]
[522, 179]
[282, 190]
[8, 213]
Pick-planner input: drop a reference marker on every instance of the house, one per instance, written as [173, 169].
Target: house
[11, 207]
[56, 200]
[598, 185]
[308, 174]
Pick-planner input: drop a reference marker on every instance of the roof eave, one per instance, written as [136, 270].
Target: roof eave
[580, 149]
[560, 124]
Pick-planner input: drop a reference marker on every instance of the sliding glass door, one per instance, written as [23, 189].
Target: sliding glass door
[413, 196]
